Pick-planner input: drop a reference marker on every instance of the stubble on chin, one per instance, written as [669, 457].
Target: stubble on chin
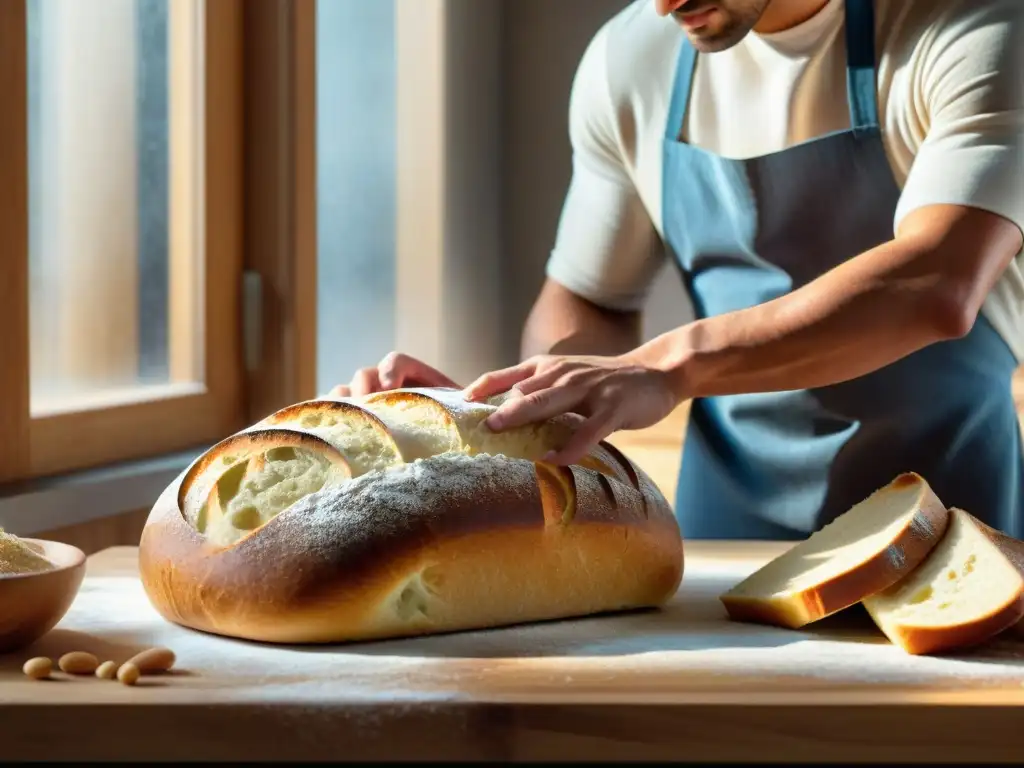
[729, 34]
[714, 44]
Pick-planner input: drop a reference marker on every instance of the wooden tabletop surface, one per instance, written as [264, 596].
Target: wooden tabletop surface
[679, 683]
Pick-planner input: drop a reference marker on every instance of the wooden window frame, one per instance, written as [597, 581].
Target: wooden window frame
[14, 371]
[174, 418]
[281, 200]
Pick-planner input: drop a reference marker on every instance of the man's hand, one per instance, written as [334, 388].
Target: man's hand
[393, 372]
[610, 393]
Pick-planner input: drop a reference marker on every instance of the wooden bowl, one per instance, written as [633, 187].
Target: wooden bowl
[31, 604]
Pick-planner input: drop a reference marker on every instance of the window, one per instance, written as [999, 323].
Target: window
[120, 230]
[356, 185]
[157, 156]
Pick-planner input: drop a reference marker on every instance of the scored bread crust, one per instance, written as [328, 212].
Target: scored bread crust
[910, 546]
[444, 543]
[198, 482]
[921, 640]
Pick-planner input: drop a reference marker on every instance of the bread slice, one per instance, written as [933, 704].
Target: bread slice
[863, 551]
[968, 590]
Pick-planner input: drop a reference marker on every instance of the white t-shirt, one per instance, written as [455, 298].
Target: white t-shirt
[951, 105]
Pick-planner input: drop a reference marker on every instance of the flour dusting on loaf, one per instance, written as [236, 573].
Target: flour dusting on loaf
[419, 493]
[403, 513]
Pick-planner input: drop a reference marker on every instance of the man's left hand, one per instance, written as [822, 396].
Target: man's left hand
[610, 393]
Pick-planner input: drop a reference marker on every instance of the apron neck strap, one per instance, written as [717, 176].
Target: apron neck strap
[860, 73]
[681, 90]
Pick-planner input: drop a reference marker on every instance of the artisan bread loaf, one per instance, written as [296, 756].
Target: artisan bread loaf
[399, 514]
[863, 551]
[969, 589]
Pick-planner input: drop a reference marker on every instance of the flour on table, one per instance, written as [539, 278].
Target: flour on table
[665, 650]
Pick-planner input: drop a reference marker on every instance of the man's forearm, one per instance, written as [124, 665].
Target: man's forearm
[855, 319]
[562, 323]
[589, 341]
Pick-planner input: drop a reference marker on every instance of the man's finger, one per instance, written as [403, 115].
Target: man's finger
[398, 370]
[496, 382]
[539, 406]
[365, 382]
[592, 431]
[341, 390]
[540, 381]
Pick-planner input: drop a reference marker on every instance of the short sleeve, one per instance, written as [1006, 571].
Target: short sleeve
[606, 249]
[969, 96]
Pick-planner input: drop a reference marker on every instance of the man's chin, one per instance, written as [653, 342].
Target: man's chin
[713, 43]
[712, 32]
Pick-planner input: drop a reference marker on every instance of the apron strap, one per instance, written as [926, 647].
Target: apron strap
[685, 67]
[860, 67]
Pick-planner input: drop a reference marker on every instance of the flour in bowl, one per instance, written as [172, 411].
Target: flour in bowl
[18, 557]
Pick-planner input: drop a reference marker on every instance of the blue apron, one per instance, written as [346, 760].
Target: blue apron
[781, 465]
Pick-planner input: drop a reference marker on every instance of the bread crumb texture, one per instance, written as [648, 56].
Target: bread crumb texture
[18, 557]
[966, 578]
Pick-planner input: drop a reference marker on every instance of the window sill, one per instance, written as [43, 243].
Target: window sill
[34, 506]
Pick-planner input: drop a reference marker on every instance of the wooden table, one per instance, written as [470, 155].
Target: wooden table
[682, 683]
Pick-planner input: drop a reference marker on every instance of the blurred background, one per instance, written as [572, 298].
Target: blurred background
[214, 208]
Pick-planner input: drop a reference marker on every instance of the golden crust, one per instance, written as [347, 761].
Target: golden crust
[446, 543]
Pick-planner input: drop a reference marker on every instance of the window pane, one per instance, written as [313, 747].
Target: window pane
[114, 258]
[355, 186]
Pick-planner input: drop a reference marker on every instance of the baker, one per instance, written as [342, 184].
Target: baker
[841, 185]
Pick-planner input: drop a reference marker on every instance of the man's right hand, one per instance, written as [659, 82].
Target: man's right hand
[393, 372]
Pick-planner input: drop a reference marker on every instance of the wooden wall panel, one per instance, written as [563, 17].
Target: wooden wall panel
[95, 535]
